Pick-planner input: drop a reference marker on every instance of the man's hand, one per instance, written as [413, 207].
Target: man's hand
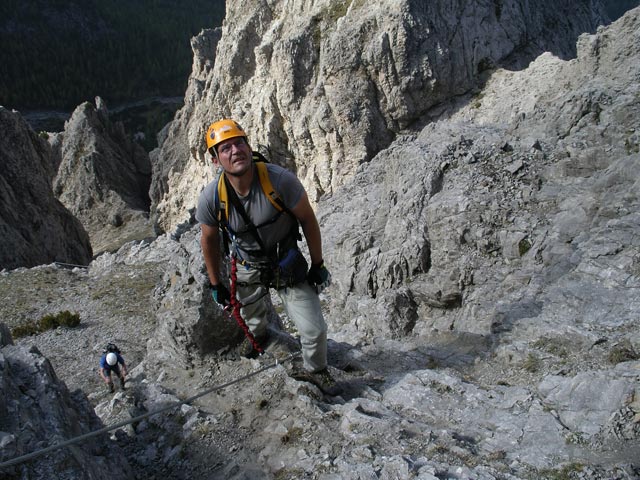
[319, 277]
[220, 294]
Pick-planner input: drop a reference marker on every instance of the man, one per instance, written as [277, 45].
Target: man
[263, 241]
[110, 362]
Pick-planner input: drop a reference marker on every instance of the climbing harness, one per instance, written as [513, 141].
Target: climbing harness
[171, 406]
[286, 266]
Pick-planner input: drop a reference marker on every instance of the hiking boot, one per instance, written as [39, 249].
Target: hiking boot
[122, 387]
[111, 387]
[321, 379]
[245, 349]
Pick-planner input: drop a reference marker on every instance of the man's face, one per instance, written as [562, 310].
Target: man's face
[234, 156]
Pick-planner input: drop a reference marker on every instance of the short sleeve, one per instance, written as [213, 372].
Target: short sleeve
[287, 184]
[205, 211]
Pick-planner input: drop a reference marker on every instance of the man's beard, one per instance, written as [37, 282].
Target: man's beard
[239, 174]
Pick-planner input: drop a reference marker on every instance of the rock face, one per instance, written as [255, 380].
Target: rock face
[39, 406]
[35, 227]
[103, 177]
[171, 169]
[502, 238]
[328, 85]
[505, 208]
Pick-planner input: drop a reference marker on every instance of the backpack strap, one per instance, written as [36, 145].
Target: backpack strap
[267, 188]
[221, 199]
[221, 203]
[275, 198]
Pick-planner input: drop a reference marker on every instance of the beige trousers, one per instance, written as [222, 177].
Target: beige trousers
[301, 303]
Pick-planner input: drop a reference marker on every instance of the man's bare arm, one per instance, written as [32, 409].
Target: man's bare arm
[210, 243]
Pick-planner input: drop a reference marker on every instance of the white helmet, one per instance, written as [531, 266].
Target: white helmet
[112, 358]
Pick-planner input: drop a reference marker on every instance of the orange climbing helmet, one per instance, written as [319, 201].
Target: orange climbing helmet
[223, 130]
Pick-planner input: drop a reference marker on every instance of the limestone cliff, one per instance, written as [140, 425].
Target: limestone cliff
[483, 315]
[35, 227]
[102, 177]
[327, 84]
[515, 200]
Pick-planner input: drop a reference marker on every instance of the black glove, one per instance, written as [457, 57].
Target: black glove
[319, 277]
[220, 294]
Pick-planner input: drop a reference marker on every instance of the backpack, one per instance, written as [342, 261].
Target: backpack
[222, 200]
[111, 347]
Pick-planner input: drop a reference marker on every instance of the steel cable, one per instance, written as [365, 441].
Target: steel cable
[173, 405]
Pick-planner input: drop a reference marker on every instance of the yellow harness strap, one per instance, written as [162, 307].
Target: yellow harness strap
[267, 188]
[222, 200]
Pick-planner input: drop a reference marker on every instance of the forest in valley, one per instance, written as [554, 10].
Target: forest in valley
[55, 54]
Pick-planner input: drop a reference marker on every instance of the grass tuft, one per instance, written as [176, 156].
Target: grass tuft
[532, 363]
[48, 322]
[622, 352]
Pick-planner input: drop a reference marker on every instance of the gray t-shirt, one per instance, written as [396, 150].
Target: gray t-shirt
[259, 209]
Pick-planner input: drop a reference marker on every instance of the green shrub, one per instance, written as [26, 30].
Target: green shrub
[286, 473]
[68, 319]
[623, 352]
[555, 345]
[24, 330]
[567, 472]
[48, 322]
[524, 246]
[62, 319]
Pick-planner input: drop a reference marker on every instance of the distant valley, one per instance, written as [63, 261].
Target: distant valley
[57, 55]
